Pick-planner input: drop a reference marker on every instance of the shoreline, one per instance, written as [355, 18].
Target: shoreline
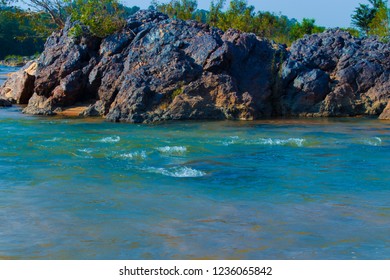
[73, 112]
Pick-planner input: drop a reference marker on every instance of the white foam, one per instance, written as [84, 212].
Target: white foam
[86, 150]
[281, 142]
[111, 139]
[231, 141]
[178, 172]
[135, 155]
[85, 155]
[55, 139]
[175, 150]
[374, 141]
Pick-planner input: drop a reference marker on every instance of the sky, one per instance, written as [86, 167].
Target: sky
[328, 13]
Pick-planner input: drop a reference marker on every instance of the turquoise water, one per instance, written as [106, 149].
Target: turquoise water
[287, 189]
[4, 70]
[278, 189]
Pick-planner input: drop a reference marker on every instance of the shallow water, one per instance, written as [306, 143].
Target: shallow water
[4, 70]
[290, 189]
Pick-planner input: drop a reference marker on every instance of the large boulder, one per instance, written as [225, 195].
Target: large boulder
[158, 68]
[19, 86]
[335, 74]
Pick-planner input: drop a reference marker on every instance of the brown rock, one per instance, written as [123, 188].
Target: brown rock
[19, 86]
[386, 113]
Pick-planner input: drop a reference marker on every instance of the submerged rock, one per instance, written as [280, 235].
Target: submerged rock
[5, 103]
[158, 68]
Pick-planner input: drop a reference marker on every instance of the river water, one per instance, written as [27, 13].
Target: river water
[4, 70]
[276, 189]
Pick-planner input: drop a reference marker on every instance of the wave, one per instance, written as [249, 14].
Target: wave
[175, 150]
[374, 141]
[299, 142]
[135, 155]
[86, 150]
[178, 172]
[55, 139]
[111, 139]
[231, 141]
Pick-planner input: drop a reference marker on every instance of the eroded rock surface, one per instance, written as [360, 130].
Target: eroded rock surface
[158, 68]
[20, 85]
[335, 74]
[386, 113]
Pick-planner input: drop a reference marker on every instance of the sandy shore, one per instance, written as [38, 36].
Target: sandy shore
[7, 74]
[73, 111]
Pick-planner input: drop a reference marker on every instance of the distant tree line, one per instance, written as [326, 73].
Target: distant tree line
[239, 15]
[17, 35]
[23, 31]
[369, 19]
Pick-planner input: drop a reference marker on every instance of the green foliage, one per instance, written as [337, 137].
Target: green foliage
[17, 35]
[307, 26]
[23, 32]
[15, 58]
[102, 17]
[354, 32]
[177, 92]
[180, 9]
[200, 15]
[379, 25]
[55, 10]
[76, 31]
[362, 17]
[373, 19]
[215, 13]
[239, 15]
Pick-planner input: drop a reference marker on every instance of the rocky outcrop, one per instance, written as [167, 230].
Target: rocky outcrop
[20, 85]
[334, 74]
[158, 68]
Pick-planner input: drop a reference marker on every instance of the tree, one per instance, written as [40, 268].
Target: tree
[239, 15]
[56, 9]
[362, 17]
[369, 18]
[17, 36]
[181, 9]
[306, 27]
[103, 17]
[215, 12]
[379, 25]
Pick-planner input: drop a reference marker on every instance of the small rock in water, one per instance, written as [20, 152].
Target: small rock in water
[5, 103]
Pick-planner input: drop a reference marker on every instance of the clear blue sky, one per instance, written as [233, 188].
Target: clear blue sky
[329, 13]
